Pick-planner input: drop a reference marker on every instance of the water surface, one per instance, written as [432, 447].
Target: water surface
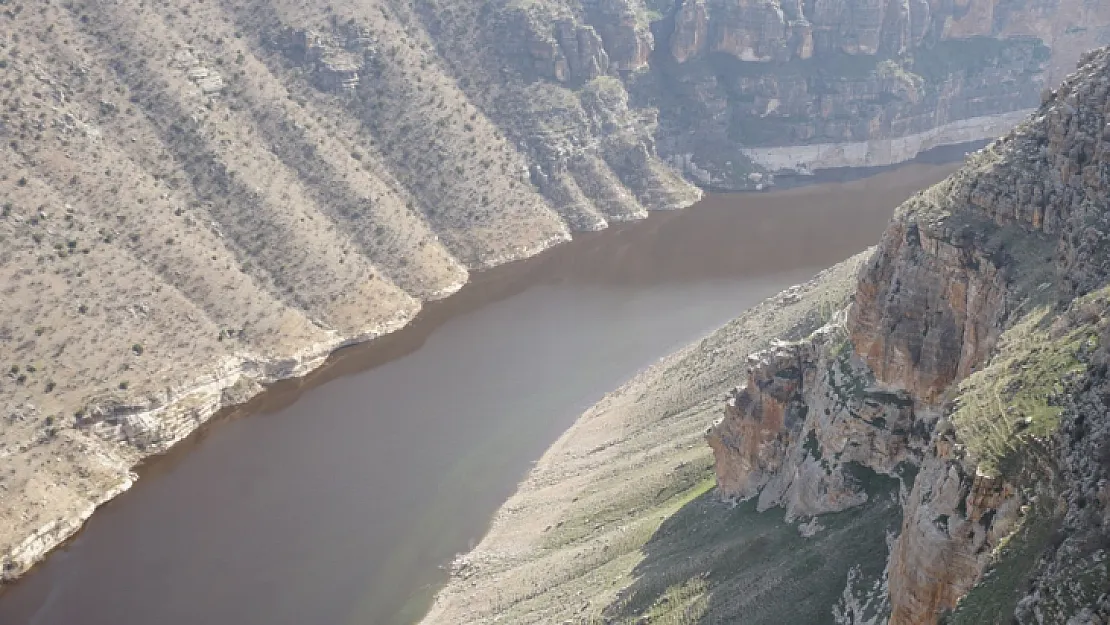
[335, 499]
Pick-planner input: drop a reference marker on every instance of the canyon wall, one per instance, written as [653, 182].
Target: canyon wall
[971, 366]
[795, 85]
[197, 199]
[736, 89]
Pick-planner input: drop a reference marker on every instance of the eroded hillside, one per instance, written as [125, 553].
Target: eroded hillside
[199, 196]
[935, 452]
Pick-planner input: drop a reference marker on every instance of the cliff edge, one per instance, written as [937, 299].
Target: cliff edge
[197, 199]
[972, 368]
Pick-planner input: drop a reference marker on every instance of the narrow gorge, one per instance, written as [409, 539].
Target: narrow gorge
[199, 198]
[919, 436]
[972, 367]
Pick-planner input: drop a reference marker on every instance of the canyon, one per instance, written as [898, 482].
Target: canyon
[970, 367]
[198, 199]
[348, 489]
[916, 436]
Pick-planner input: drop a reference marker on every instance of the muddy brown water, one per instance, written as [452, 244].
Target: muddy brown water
[335, 499]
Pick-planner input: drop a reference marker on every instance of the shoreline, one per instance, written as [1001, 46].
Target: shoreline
[238, 388]
[883, 152]
[579, 522]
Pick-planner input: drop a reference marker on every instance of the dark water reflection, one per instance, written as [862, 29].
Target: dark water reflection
[334, 499]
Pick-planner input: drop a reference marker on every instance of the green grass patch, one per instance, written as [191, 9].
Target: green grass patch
[1015, 400]
[711, 563]
[681, 604]
[642, 500]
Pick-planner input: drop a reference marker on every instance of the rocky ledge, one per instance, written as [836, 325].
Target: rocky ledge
[971, 367]
[733, 90]
[800, 86]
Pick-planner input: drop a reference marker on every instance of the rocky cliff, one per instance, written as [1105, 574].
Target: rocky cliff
[199, 198]
[735, 89]
[972, 366]
[795, 85]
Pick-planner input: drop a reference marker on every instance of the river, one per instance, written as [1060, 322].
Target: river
[337, 498]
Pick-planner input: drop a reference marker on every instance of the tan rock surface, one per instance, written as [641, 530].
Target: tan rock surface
[974, 346]
[197, 200]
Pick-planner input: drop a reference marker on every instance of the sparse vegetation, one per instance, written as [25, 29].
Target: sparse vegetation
[1016, 400]
[992, 601]
[638, 512]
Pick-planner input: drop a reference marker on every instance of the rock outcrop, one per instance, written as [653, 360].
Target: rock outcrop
[971, 366]
[805, 424]
[799, 86]
[761, 86]
[197, 200]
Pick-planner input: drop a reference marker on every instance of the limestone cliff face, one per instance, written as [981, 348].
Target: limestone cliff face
[970, 366]
[732, 88]
[808, 419]
[769, 30]
[797, 85]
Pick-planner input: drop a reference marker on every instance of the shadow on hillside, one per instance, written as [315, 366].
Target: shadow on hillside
[712, 563]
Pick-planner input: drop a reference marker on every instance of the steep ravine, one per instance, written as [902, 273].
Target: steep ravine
[971, 366]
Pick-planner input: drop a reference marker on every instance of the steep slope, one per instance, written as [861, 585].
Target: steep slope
[833, 83]
[618, 510]
[971, 366]
[200, 197]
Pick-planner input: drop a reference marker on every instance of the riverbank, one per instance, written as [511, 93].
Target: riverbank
[883, 152]
[622, 501]
[62, 474]
[409, 411]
